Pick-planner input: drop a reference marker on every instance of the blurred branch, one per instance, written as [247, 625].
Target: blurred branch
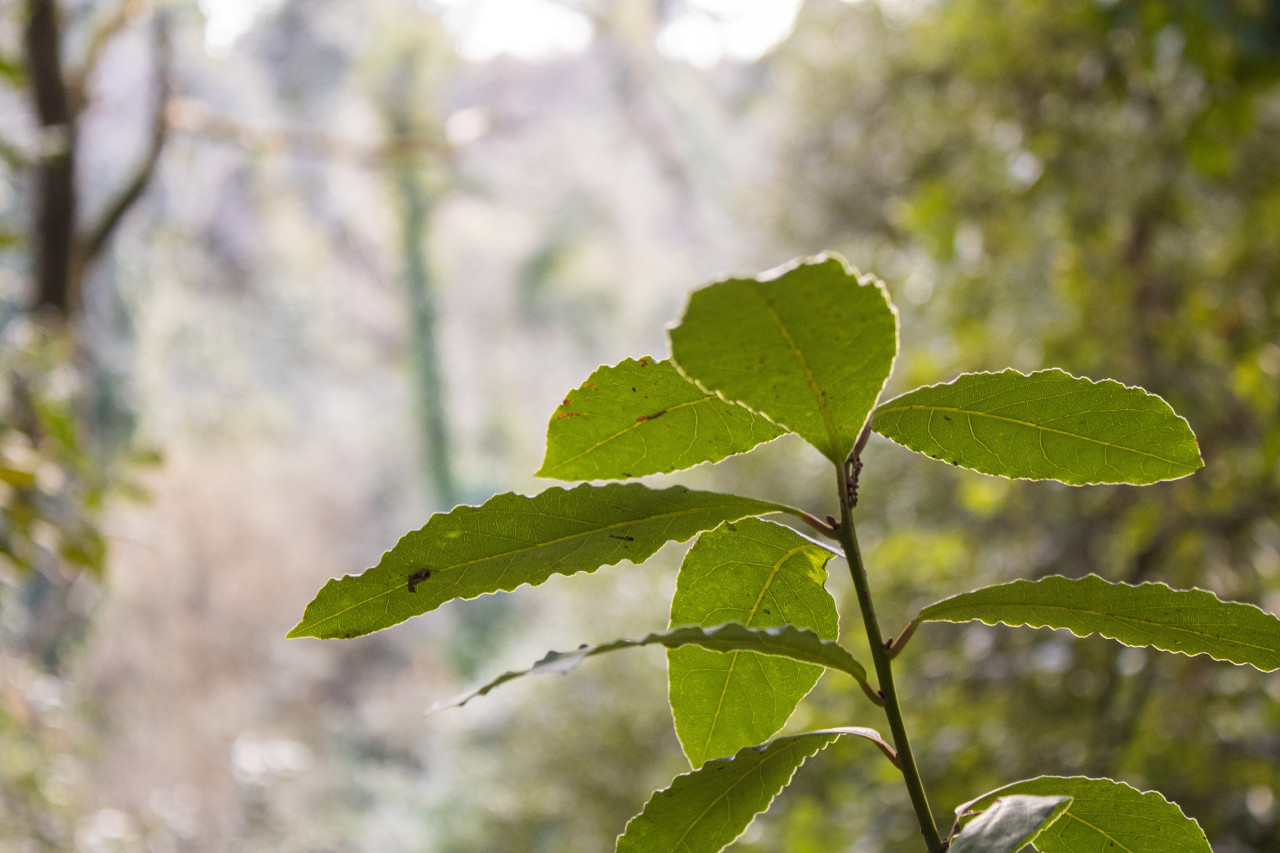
[194, 119]
[96, 237]
[100, 38]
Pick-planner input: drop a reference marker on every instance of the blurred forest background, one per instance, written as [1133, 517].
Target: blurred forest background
[279, 278]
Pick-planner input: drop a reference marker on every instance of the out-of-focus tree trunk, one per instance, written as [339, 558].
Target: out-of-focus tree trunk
[55, 191]
[415, 204]
[64, 248]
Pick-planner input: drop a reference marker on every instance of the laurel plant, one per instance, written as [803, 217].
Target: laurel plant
[808, 350]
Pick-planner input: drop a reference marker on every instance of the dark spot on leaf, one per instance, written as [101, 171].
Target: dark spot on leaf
[623, 538]
[769, 612]
[562, 415]
[644, 362]
[730, 527]
[654, 416]
[945, 418]
[566, 401]
[588, 385]
[955, 463]
[418, 577]
[633, 389]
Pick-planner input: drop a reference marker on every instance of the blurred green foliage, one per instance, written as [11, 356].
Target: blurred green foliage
[54, 484]
[1096, 186]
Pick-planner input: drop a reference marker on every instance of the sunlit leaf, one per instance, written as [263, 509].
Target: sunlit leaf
[513, 540]
[761, 575]
[1105, 816]
[785, 641]
[643, 417]
[1192, 622]
[810, 348]
[1048, 425]
[1009, 824]
[705, 810]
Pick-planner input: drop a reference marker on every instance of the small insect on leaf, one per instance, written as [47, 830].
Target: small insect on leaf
[417, 578]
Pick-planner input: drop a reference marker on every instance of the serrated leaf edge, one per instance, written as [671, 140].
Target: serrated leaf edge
[295, 632]
[858, 731]
[568, 661]
[1086, 579]
[774, 273]
[964, 807]
[1009, 370]
[542, 472]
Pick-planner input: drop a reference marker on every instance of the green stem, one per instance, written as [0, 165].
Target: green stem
[884, 672]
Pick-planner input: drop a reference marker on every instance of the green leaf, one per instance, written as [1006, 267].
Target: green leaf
[1106, 815]
[643, 417]
[810, 348]
[761, 575]
[705, 810]
[513, 540]
[1049, 425]
[1192, 622]
[1009, 824]
[786, 641]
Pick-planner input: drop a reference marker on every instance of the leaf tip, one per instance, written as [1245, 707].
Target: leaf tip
[299, 630]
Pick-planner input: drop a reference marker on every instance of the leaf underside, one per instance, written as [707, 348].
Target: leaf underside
[643, 417]
[1048, 425]
[1009, 824]
[785, 641]
[761, 575]
[1191, 622]
[810, 349]
[1105, 816]
[512, 540]
[705, 810]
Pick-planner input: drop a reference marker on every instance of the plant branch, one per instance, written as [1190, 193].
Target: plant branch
[826, 529]
[96, 237]
[884, 669]
[894, 645]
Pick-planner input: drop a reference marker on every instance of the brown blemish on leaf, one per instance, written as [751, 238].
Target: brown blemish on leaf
[417, 578]
[562, 415]
[654, 416]
[644, 362]
[566, 401]
[587, 385]
[623, 538]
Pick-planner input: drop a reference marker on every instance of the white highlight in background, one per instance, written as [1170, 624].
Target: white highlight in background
[532, 30]
[711, 31]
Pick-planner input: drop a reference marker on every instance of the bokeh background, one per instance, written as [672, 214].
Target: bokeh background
[279, 278]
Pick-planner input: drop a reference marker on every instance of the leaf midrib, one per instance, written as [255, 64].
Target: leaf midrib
[733, 660]
[629, 428]
[1120, 617]
[812, 381]
[528, 549]
[970, 413]
[741, 778]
